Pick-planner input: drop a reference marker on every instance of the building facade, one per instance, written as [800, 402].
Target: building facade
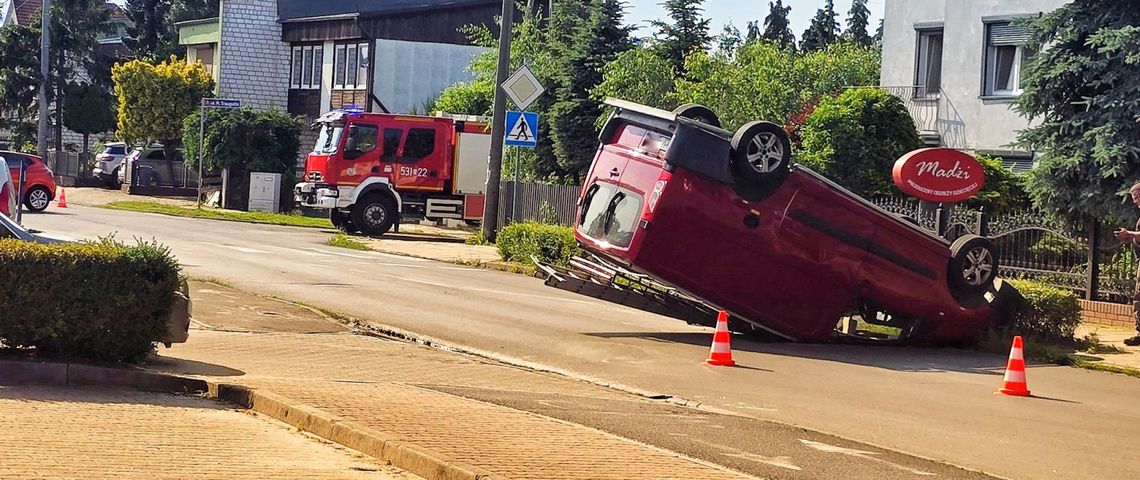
[310, 57]
[957, 65]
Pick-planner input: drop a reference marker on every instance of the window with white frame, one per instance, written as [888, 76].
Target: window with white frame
[928, 72]
[1006, 57]
[350, 66]
[305, 67]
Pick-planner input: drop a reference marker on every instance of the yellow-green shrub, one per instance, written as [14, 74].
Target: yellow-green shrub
[555, 244]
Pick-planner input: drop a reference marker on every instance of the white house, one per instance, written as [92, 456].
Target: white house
[957, 65]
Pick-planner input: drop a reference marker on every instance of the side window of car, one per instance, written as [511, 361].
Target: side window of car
[419, 145]
[156, 155]
[392, 138]
[365, 136]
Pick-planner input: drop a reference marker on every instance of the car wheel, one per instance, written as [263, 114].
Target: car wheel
[374, 215]
[697, 112]
[973, 264]
[115, 183]
[37, 198]
[761, 153]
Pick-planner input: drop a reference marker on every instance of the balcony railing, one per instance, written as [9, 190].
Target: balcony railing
[922, 102]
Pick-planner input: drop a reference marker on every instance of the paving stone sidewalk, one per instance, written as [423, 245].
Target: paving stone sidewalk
[97, 433]
[391, 386]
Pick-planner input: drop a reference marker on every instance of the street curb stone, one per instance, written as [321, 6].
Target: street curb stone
[378, 444]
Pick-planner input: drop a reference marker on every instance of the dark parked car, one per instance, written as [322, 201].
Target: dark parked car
[726, 218]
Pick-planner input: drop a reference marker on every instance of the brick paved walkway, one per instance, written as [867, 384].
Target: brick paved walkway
[386, 384]
[90, 433]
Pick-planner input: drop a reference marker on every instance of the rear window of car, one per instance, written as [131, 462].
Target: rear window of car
[611, 214]
[115, 150]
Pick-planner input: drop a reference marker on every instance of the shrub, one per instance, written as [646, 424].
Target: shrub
[1048, 313]
[101, 300]
[549, 243]
[856, 137]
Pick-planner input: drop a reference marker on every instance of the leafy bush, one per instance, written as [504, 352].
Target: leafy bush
[102, 300]
[1004, 191]
[549, 243]
[1048, 313]
[856, 137]
[245, 141]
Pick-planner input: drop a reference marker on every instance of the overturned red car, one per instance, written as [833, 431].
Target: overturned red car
[726, 219]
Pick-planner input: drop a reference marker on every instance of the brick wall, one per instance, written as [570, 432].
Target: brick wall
[254, 62]
[347, 98]
[1104, 313]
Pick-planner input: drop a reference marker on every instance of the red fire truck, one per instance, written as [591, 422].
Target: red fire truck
[371, 170]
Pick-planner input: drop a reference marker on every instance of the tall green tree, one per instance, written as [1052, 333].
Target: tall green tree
[152, 34]
[596, 43]
[858, 18]
[76, 26]
[729, 40]
[777, 27]
[753, 32]
[88, 109]
[823, 31]
[877, 40]
[688, 32]
[154, 99]
[1083, 86]
[638, 75]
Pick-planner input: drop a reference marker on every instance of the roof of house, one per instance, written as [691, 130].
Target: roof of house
[292, 10]
[26, 10]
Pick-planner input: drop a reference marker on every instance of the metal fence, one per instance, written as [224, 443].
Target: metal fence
[1086, 259]
[69, 164]
[519, 202]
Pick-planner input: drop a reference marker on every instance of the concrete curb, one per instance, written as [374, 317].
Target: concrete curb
[378, 444]
[17, 372]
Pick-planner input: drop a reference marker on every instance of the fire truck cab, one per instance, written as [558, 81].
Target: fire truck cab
[371, 170]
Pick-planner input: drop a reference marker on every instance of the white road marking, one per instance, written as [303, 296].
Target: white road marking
[243, 249]
[781, 461]
[481, 290]
[824, 447]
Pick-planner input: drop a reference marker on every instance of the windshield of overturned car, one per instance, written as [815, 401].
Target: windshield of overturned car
[329, 138]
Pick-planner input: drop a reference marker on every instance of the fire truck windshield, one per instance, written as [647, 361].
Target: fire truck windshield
[329, 139]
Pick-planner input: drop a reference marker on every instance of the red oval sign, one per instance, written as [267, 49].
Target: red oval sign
[941, 175]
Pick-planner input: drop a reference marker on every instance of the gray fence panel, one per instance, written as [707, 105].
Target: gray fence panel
[520, 202]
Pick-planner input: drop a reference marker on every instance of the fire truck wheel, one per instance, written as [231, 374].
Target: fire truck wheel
[697, 112]
[761, 153]
[374, 215]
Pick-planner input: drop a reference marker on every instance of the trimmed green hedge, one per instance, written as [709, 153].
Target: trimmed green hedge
[555, 244]
[98, 300]
[1048, 313]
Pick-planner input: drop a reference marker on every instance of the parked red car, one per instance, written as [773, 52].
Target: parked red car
[39, 183]
[726, 218]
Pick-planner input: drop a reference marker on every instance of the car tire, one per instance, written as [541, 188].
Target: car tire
[973, 264]
[761, 154]
[374, 214]
[699, 113]
[114, 181]
[37, 198]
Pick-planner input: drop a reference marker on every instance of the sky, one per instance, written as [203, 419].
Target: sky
[740, 12]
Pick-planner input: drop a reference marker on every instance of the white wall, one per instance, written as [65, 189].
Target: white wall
[406, 75]
[965, 119]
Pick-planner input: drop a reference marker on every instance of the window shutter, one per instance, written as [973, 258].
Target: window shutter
[1005, 34]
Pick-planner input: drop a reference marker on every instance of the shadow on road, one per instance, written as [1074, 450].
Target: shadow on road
[178, 366]
[904, 359]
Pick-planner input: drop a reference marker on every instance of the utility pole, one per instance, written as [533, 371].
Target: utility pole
[45, 43]
[498, 125]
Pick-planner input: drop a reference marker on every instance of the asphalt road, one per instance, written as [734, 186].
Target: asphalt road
[932, 403]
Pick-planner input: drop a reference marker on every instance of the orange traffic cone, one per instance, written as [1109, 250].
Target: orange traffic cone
[721, 353]
[62, 203]
[1014, 383]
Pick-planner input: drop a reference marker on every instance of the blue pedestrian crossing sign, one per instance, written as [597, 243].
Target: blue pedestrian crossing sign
[522, 129]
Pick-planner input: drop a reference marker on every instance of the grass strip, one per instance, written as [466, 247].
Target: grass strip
[293, 220]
